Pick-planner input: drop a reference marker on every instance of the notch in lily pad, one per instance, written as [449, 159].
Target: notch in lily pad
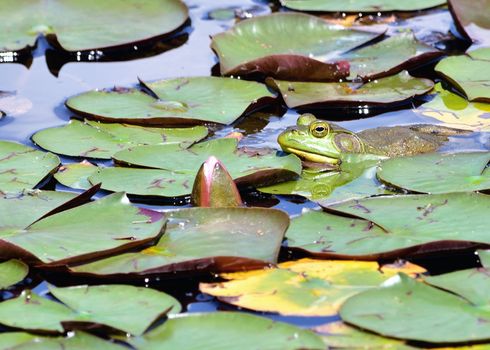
[471, 19]
[385, 91]
[180, 101]
[288, 46]
[123, 307]
[49, 229]
[90, 139]
[23, 167]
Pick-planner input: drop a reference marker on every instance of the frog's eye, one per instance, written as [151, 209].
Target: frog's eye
[319, 129]
[305, 119]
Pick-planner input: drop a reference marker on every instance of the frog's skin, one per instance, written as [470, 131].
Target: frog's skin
[318, 141]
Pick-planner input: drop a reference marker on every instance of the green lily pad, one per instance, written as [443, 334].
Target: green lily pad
[92, 230]
[360, 6]
[389, 56]
[12, 272]
[177, 101]
[338, 335]
[469, 73]
[175, 169]
[484, 258]
[393, 226]
[395, 89]
[438, 173]
[289, 46]
[23, 167]
[408, 309]
[203, 239]
[471, 19]
[75, 175]
[455, 111]
[127, 308]
[108, 24]
[76, 341]
[99, 140]
[224, 331]
[305, 287]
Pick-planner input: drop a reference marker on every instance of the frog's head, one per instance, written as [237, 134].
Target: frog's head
[318, 141]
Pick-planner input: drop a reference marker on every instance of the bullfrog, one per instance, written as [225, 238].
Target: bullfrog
[318, 141]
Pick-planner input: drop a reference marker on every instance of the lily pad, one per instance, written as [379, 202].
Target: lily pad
[455, 111]
[96, 229]
[204, 239]
[75, 175]
[338, 335]
[469, 73]
[438, 173]
[389, 56]
[289, 46]
[360, 6]
[393, 226]
[471, 19]
[305, 287]
[90, 139]
[76, 341]
[408, 309]
[12, 272]
[108, 24]
[23, 167]
[175, 169]
[224, 331]
[484, 257]
[395, 89]
[127, 308]
[177, 101]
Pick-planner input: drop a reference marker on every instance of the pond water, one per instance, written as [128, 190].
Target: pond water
[48, 78]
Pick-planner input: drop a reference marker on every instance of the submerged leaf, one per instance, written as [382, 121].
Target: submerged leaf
[455, 111]
[12, 272]
[289, 46]
[99, 140]
[127, 308]
[362, 5]
[305, 287]
[408, 309]
[23, 167]
[394, 89]
[179, 101]
[95, 229]
[105, 24]
[469, 73]
[438, 173]
[204, 239]
[394, 226]
[227, 330]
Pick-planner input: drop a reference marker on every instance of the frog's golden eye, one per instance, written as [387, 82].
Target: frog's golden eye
[319, 129]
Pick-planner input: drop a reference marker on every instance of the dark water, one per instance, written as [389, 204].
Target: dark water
[53, 76]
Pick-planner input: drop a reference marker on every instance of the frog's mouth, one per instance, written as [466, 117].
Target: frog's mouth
[311, 156]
